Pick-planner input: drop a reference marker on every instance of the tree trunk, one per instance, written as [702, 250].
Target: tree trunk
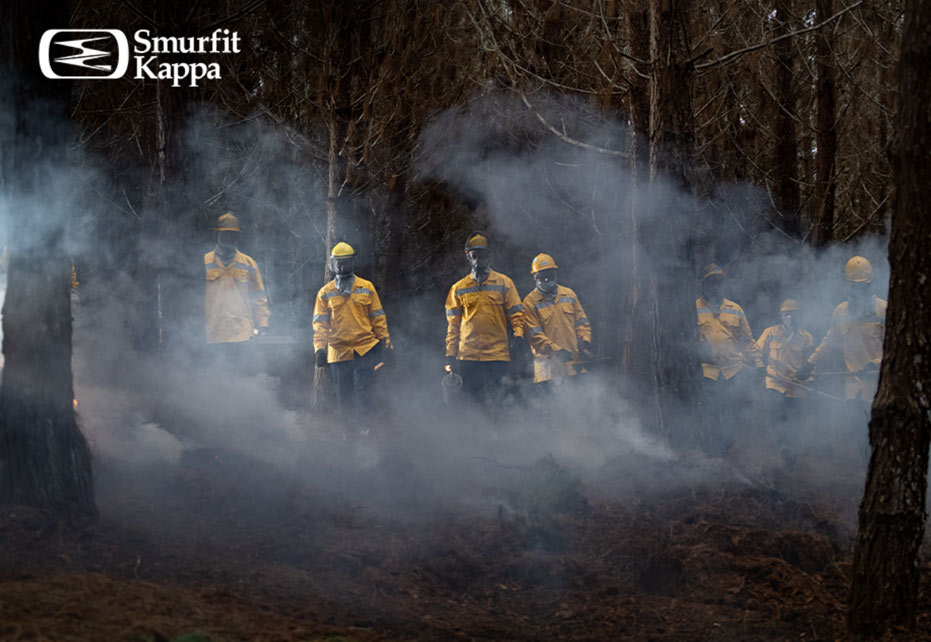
[676, 379]
[44, 458]
[168, 261]
[786, 189]
[884, 590]
[636, 363]
[826, 140]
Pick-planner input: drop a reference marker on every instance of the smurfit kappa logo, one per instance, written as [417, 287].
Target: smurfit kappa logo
[101, 54]
[83, 54]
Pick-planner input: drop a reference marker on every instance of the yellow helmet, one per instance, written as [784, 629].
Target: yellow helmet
[859, 270]
[227, 223]
[788, 305]
[477, 242]
[342, 250]
[542, 262]
[712, 269]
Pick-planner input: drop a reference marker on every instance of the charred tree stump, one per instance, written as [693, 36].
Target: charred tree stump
[44, 458]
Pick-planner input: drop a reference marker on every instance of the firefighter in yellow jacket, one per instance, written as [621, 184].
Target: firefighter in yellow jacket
[856, 331]
[235, 302]
[726, 345]
[478, 309]
[350, 331]
[785, 348]
[555, 325]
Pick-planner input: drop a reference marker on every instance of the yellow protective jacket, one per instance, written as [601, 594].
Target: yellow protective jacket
[477, 316]
[235, 298]
[784, 355]
[553, 323]
[861, 340]
[728, 335]
[348, 323]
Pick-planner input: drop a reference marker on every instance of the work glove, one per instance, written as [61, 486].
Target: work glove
[452, 365]
[585, 350]
[563, 355]
[805, 371]
[320, 358]
[378, 352]
[517, 346]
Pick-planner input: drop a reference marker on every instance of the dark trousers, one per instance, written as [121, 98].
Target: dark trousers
[724, 401]
[352, 381]
[482, 381]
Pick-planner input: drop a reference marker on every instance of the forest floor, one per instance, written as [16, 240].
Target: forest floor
[234, 549]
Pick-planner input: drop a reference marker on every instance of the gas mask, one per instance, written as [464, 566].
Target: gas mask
[226, 244]
[343, 270]
[788, 321]
[480, 260]
[545, 281]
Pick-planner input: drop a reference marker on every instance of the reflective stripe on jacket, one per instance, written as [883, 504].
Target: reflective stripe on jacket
[235, 301]
[348, 323]
[783, 357]
[727, 333]
[861, 340]
[477, 315]
[553, 323]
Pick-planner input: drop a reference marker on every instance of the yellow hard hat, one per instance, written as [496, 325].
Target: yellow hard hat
[712, 269]
[788, 305]
[227, 223]
[342, 250]
[542, 262]
[859, 270]
[477, 242]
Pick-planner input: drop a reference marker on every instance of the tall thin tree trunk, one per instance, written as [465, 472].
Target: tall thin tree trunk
[786, 189]
[671, 294]
[636, 354]
[44, 458]
[884, 590]
[826, 140]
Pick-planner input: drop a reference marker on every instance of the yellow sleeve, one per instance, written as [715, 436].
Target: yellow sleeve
[514, 309]
[763, 343]
[259, 300]
[583, 327]
[321, 323]
[749, 348]
[533, 330]
[74, 278]
[453, 321]
[378, 318]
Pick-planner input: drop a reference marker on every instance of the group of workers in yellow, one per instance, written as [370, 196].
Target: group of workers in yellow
[351, 331]
[785, 354]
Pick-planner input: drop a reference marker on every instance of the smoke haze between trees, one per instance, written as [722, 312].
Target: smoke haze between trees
[532, 193]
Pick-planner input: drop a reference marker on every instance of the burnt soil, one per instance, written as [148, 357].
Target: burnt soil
[240, 551]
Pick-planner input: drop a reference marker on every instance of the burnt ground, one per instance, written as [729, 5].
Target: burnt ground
[238, 550]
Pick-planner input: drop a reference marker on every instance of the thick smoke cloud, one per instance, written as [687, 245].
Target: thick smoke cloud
[537, 193]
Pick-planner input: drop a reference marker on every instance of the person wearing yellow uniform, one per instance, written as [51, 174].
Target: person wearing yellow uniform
[856, 331]
[350, 331]
[478, 309]
[726, 346]
[235, 303]
[785, 348]
[555, 325]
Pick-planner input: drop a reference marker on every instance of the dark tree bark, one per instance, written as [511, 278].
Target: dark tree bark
[163, 288]
[636, 363]
[44, 458]
[676, 379]
[826, 139]
[884, 590]
[785, 163]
